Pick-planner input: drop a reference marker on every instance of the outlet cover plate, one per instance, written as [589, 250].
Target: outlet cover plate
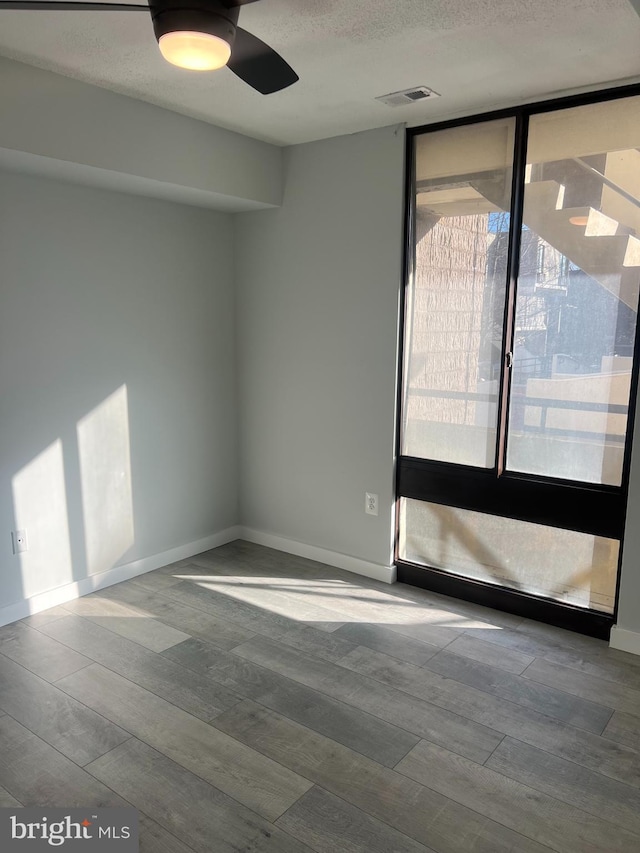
[370, 503]
[19, 541]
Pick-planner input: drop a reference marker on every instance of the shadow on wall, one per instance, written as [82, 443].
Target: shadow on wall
[98, 467]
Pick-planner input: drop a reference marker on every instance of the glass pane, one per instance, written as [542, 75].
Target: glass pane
[455, 304]
[577, 297]
[562, 565]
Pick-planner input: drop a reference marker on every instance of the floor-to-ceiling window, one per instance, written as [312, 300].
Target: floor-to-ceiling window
[519, 368]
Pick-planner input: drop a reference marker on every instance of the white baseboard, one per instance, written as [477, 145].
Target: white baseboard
[68, 592]
[84, 586]
[626, 641]
[378, 572]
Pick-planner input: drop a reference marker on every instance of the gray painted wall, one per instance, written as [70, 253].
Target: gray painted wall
[103, 292]
[318, 284]
[90, 135]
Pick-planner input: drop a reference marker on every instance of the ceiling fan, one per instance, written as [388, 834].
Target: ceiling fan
[201, 35]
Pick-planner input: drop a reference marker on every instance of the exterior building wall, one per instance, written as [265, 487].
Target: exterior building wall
[449, 291]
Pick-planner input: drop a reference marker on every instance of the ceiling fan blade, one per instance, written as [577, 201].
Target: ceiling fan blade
[62, 6]
[259, 65]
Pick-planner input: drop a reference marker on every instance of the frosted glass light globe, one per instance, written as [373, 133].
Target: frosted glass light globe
[195, 51]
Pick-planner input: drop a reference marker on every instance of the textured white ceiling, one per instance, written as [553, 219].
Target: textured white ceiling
[477, 54]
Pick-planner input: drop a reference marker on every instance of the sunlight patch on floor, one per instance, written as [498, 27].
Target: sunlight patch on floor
[348, 602]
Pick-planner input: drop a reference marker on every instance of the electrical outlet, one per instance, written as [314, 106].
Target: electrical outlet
[19, 541]
[370, 503]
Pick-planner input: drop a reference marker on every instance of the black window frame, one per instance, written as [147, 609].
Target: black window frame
[597, 509]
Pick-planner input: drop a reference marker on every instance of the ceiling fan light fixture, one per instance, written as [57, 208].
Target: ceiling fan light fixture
[195, 50]
[200, 35]
[195, 34]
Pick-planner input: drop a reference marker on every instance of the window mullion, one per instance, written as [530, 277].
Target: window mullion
[513, 261]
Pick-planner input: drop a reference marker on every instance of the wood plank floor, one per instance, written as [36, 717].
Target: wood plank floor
[249, 700]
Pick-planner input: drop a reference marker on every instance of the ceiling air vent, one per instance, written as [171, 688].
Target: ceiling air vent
[408, 96]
